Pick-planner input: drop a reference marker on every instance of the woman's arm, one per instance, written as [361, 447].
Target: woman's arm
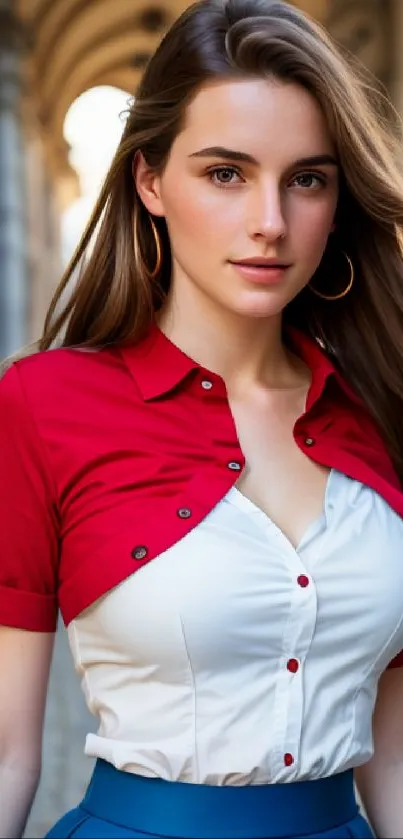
[24, 667]
[380, 781]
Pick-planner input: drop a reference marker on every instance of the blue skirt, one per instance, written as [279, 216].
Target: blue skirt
[121, 805]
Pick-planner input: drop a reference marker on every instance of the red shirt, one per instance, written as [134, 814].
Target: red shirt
[109, 457]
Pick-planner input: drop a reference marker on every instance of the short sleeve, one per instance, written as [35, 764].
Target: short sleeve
[396, 662]
[28, 516]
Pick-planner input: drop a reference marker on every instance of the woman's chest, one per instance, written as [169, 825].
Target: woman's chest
[130, 493]
[234, 591]
[278, 477]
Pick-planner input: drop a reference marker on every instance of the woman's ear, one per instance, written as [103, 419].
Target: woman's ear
[148, 185]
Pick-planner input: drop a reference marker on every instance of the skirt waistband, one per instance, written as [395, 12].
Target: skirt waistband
[199, 811]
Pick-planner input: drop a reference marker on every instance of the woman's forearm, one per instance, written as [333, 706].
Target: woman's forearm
[380, 784]
[17, 791]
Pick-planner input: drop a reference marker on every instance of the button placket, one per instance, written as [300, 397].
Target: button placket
[296, 642]
[304, 606]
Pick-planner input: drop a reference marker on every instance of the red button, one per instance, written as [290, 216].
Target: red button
[303, 581]
[292, 665]
[288, 759]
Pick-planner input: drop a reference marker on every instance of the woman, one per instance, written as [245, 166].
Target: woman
[205, 475]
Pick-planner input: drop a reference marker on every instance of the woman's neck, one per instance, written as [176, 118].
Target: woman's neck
[246, 352]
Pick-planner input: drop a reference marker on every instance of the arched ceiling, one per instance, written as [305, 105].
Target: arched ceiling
[77, 44]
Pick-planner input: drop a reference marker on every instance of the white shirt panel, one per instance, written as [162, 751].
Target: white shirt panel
[185, 662]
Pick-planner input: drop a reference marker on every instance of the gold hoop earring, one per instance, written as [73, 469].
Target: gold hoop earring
[158, 249]
[151, 274]
[343, 293]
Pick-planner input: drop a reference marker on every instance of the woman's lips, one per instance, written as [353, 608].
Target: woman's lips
[264, 274]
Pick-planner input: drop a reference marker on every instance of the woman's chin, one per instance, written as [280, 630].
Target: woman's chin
[259, 308]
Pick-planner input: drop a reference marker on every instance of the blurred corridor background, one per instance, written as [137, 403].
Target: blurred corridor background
[68, 69]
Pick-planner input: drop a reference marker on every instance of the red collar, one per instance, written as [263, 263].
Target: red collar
[158, 365]
[321, 366]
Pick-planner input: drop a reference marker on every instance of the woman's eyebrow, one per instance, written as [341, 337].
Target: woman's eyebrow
[317, 160]
[225, 154]
[231, 154]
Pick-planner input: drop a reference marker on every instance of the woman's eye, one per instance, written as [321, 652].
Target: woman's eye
[223, 175]
[309, 180]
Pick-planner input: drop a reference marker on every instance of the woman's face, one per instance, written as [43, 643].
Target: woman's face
[253, 175]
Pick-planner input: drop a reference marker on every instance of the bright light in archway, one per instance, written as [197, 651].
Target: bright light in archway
[93, 128]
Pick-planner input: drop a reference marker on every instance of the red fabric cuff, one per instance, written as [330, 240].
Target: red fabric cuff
[27, 610]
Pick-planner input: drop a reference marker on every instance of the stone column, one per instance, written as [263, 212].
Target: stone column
[13, 238]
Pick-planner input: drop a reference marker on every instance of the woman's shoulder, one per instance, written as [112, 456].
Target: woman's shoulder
[58, 360]
[56, 374]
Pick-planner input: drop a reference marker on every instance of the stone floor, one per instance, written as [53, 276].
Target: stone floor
[65, 770]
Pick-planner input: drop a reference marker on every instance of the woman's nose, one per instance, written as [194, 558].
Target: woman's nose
[267, 216]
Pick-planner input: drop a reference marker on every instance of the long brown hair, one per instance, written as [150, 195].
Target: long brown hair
[113, 300]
